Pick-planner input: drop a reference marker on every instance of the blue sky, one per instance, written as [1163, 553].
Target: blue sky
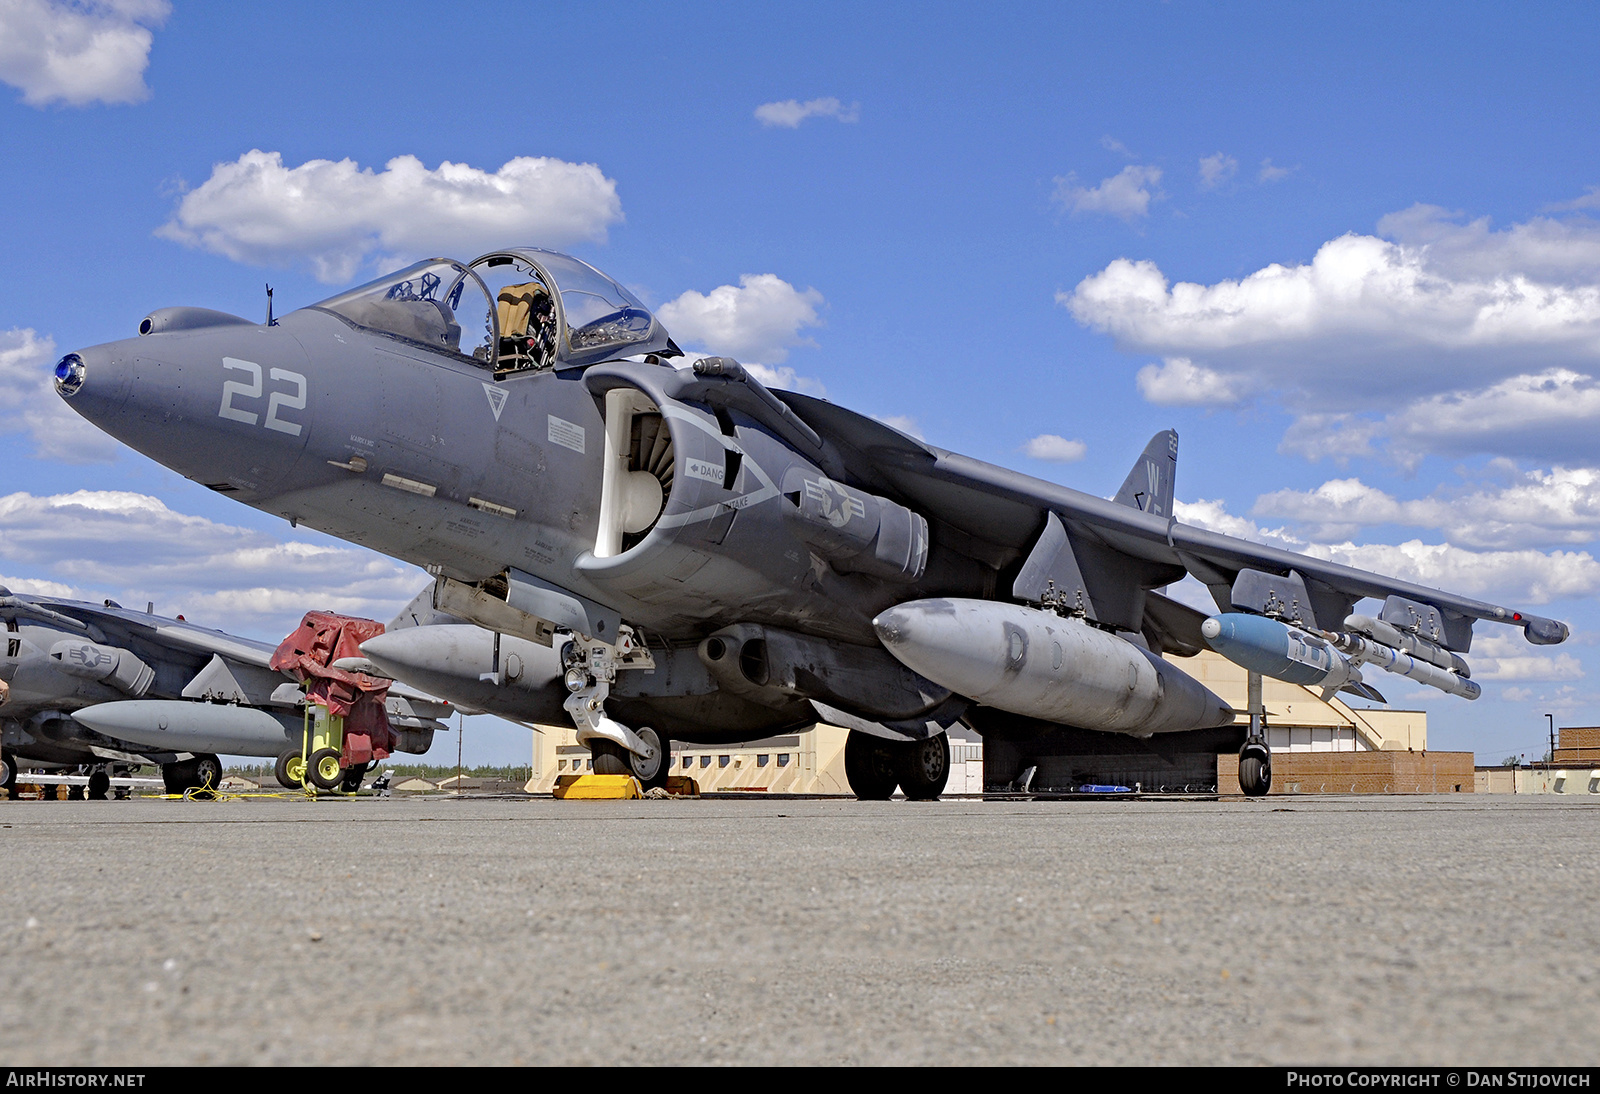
[1349, 251]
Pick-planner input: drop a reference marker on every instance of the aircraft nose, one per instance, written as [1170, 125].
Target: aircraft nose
[94, 382]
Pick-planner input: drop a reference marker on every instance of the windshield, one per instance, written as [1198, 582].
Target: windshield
[437, 303]
[600, 313]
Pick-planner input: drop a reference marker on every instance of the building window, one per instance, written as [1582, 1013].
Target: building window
[722, 761]
[783, 759]
[705, 761]
[761, 761]
[561, 765]
[688, 761]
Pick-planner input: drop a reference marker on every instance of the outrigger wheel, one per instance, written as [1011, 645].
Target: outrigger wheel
[1255, 768]
[324, 770]
[611, 758]
[291, 769]
[99, 784]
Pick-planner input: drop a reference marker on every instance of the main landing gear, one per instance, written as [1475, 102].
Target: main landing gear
[875, 766]
[199, 776]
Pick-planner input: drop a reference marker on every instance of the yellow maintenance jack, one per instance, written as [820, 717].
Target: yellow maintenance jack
[317, 765]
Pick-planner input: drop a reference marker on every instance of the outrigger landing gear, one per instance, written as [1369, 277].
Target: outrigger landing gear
[1255, 758]
[590, 667]
[875, 766]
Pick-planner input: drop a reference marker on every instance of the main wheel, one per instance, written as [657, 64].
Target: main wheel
[323, 769]
[99, 783]
[290, 769]
[869, 765]
[353, 776]
[177, 777]
[923, 768]
[206, 777]
[8, 776]
[1255, 775]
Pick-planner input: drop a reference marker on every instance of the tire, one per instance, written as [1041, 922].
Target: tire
[923, 768]
[290, 769]
[610, 758]
[99, 784]
[323, 769]
[8, 776]
[177, 777]
[869, 766]
[1255, 776]
[351, 783]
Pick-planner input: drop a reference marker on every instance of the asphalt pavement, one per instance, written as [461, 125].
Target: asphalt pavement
[1453, 930]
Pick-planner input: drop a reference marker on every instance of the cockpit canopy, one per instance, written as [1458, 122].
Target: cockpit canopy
[517, 310]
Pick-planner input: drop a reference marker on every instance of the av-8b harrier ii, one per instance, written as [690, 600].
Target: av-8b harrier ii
[100, 687]
[659, 547]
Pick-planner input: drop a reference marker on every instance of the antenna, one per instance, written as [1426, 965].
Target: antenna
[270, 321]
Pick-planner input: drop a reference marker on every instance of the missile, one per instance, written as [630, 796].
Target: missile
[174, 725]
[1275, 649]
[457, 661]
[1042, 665]
[1325, 660]
[1404, 664]
[1419, 647]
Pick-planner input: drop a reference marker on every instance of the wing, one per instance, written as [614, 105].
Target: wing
[114, 623]
[1117, 551]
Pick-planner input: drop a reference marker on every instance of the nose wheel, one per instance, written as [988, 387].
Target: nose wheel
[649, 767]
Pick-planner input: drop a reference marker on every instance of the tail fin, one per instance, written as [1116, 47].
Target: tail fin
[1148, 486]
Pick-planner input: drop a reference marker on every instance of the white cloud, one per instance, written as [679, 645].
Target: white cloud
[1127, 194]
[338, 216]
[1505, 656]
[1054, 449]
[791, 112]
[1467, 338]
[132, 548]
[1178, 381]
[1536, 508]
[1217, 169]
[1516, 576]
[904, 423]
[760, 319]
[1269, 173]
[29, 403]
[1111, 144]
[786, 378]
[78, 53]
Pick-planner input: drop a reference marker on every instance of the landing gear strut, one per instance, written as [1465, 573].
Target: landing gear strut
[1255, 758]
[874, 766]
[590, 667]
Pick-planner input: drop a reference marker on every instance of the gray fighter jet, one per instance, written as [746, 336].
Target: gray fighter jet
[98, 687]
[657, 547]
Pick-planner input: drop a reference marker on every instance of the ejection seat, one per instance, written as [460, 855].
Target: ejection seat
[527, 326]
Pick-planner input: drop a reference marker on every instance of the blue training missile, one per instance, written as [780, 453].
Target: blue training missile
[1278, 650]
[1288, 653]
